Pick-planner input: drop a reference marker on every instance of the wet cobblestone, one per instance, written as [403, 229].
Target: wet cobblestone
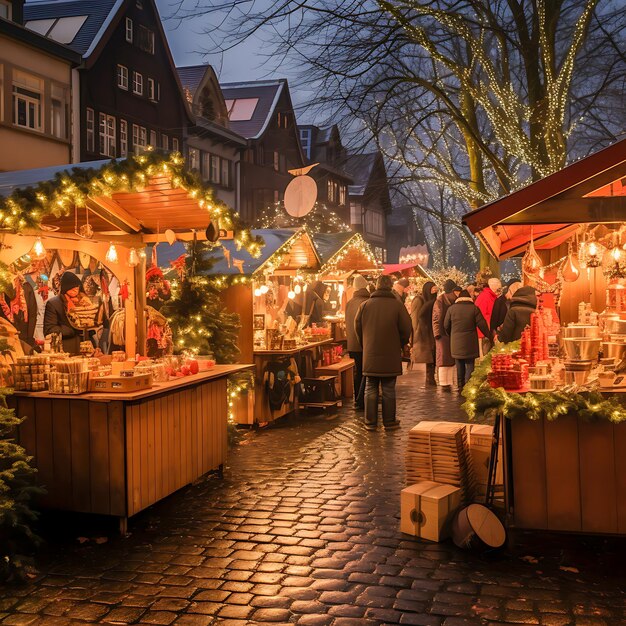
[303, 529]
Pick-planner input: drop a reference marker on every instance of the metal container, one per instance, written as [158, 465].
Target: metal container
[583, 331]
[615, 327]
[582, 349]
[577, 373]
[614, 350]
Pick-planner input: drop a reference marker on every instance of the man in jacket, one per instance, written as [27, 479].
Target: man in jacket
[485, 302]
[360, 295]
[314, 303]
[383, 326]
[523, 303]
[502, 304]
[444, 361]
[460, 324]
[55, 316]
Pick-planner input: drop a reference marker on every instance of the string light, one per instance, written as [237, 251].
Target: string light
[38, 251]
[111, 256]
[133, 258]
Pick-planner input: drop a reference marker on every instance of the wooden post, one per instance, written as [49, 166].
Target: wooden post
[140, 304]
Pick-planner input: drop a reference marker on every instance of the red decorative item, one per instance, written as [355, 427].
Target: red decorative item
[180, 265]
[124, 292]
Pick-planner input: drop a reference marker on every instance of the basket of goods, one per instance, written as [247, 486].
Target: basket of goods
[317, 333]
[83, 314]
[31, 373]
[70, 376]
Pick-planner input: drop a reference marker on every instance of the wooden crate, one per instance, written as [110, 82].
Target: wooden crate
[120, 384]
[568, 475]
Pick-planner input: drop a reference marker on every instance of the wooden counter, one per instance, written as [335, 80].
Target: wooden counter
[116, 454]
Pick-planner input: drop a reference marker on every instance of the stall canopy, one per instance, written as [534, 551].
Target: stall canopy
[591, 190]
[406, 269]
[345, 252]
[294, 247]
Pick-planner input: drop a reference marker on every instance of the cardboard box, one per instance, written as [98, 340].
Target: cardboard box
[480, 439]
[426, 509]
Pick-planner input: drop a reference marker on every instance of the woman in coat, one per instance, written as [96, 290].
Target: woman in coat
[423, 338]
[55, 317]
[523, 303]
[460, 324]
[444, 361]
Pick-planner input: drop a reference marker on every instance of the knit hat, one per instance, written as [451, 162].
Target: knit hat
[69, 280]
[449, 286]
[359, 282]
[464, 294]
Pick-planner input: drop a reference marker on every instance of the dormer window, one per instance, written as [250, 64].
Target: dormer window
[146, 40]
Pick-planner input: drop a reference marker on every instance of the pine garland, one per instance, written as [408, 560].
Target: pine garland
[483, 402]
[320, 219]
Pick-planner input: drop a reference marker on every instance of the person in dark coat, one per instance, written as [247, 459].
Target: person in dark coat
[460, 324]
[523, 303]
[423, 337]
[355, 350]
[444, 361]
[502, 303]
[400, 289]
[55, 316]
[314, 303]
[383, 326]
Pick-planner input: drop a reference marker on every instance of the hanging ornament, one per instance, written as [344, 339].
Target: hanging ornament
[531, 262]
[257, 293]
[291, 295]
[614, 261]
[133, 258]
[297, 289]
[38, 251]
[227, 255]
[180, 265]
[571, 269]
[238, 263]
[111, 255]
[594, 253]
[170, 236]
[212, 232]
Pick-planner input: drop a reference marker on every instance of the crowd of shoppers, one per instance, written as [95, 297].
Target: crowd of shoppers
[447, 331]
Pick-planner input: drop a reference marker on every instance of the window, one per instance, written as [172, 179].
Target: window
[342, 195]
[206, 166]
[27, 94]
[153, 138]
[146, 39]
[151, 89]
[129, 30]
[122, 77]
[286, 120]
[225, 178]
[123, 138]
[305, 140]
[276, 196]
[138, 83]
[241, 109]
[215, 169]
[165, 142]
[139, 138]
[174, 144]
[5, 9]
[194, 159]
[278, 119]
[107, 135]
[330, 191]
[62, 29]
[355, 213]
[276, 161]
[57, 112]
[374, 223]
[91, 131]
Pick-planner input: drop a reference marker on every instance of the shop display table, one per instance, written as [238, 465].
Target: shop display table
[304, 357]
[568, 474]
[343, 370]
[116, 454]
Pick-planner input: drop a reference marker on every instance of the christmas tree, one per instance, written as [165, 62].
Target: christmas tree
[200, 324]
[17, 488]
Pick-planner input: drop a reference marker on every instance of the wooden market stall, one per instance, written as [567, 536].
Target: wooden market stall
[130, 441]
[565, 469]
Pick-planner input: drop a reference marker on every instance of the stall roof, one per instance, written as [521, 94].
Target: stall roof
[410, 269]
[591, 190]
[348, 250]
[301, 253]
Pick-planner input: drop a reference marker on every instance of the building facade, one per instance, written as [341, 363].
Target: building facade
[35, 95]
[262, 112]
[211, 147]
[130, 96]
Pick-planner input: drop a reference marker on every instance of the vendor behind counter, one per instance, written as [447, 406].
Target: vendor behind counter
[55, 317]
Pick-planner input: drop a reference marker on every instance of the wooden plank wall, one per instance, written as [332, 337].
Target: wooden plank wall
[238, 299]
[172, 440]
[78, 449]
[569, 475]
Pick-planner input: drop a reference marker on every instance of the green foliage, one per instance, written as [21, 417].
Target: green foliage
[483, 402]
[17, 489]
[320, 219]
[199, 321]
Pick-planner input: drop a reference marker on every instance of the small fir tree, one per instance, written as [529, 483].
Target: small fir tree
[17, 489]
[199, 321]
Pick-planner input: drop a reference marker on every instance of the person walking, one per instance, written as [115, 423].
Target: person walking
[485, 301]
[523, 303]
[460, 324]
[502, 304]
[383, 326]
[355, 350]
[423, 338]
[444, 361]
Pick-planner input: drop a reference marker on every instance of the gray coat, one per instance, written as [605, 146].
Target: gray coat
[352, 308]
[442, 304]
[383, 326]
[460, 324]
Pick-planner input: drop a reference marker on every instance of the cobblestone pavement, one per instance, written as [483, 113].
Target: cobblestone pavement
[304, 529]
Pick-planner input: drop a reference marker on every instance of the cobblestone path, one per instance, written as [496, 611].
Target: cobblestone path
[304, 529]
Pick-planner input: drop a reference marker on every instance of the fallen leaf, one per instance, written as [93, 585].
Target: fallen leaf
[100, 540]
[529, 559]
[569, 569]
[82, 539]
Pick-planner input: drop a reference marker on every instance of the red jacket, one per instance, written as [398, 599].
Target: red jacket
[485, 301]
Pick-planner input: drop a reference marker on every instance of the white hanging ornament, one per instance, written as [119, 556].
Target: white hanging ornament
[133, 258]
[170, 236]
[111, 255]
[301, 192]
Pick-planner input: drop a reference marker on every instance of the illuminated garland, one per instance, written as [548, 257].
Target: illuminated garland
[483, 402]
[356, 242]
[276, 259]
[26, 207]
[319, 220]
[237, 385]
